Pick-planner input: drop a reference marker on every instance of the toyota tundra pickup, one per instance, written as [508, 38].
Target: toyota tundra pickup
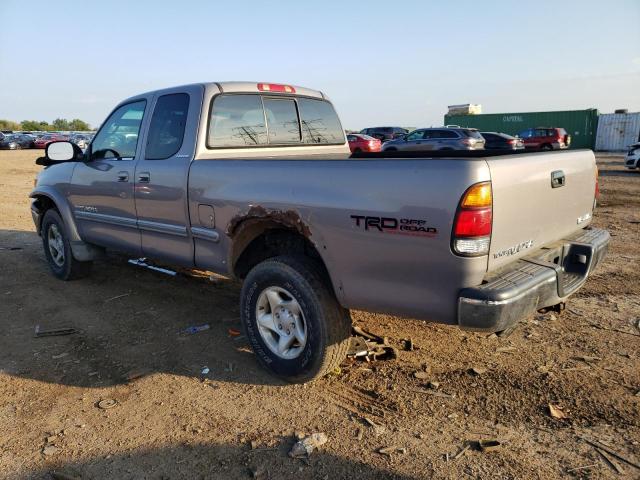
[255, 181]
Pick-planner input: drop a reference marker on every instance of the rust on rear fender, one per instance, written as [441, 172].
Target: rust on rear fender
[257, 213]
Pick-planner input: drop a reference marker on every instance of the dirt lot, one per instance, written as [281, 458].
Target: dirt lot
[171, 421]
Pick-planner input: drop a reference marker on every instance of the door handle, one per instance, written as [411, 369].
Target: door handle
[123, 176]
[144, 177]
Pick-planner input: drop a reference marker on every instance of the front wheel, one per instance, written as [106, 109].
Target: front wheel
[292, 319]
[57, 249]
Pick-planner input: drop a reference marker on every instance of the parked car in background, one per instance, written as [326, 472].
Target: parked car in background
[46, 139]
[25, 140]
[425, 139]
[385, 133]
[9, 142]
[363, 143]
[633, 156]
[545, 138]
[80, 140]
[501, 141]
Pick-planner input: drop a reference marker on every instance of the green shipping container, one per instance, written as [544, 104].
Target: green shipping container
[582, 125]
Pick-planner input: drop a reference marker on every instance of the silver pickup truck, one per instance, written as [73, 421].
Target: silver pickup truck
[254, 181]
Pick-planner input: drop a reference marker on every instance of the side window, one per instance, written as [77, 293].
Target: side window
[118, 137]
[415, 135]
[447, 134]
[166, 130]
[237, 121]
[429, 134]
[526, 134]
[351, 138]
[319, 122]
[282, 120]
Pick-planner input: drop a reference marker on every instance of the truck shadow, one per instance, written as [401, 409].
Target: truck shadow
[211, 461]
[127, 321]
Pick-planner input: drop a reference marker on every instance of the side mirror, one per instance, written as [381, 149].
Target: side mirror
[61, 151]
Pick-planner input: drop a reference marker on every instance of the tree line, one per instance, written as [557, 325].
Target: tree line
[58, 124]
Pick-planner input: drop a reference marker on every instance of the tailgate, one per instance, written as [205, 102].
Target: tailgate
[528, 211]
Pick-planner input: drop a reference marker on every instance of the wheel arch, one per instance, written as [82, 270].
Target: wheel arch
[257, 239]
[46, 198]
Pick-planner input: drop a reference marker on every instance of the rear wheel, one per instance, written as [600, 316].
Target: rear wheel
[57, 249]
[292, 319]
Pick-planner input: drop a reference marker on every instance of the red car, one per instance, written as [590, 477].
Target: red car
[363, 143]
[45, 140]
[545, 138]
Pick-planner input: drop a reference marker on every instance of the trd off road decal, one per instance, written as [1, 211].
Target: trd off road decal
[402, 226]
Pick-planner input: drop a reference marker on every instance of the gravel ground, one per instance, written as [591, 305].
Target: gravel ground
[168, 420]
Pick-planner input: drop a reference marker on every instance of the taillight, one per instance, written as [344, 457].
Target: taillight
[471, 234]
[468, 141]
[512, 142]
[372, 143]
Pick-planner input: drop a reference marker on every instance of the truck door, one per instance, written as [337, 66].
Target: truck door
[101, 188]
[162, 174]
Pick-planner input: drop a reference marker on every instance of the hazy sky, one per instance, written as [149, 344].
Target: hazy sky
[382, 63]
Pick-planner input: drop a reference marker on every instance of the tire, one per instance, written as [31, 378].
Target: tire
[546, 147]
[326, 326]
[55, 241]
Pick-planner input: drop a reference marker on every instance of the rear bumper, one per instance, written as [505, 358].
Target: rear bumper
[532, 283]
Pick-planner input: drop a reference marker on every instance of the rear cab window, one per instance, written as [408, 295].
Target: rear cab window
[254, 120]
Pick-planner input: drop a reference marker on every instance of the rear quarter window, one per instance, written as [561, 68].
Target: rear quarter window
[166, 130]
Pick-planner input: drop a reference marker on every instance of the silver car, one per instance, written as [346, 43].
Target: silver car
[425, 139]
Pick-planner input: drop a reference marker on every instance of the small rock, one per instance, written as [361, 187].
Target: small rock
[556, 412]
[253, 444]
[421, 375]
[433, 385]
[304, 447]
[478, 370]
[377, 429]
[299, 435]
[392, 449]
[107, 404]
[52, 438]
[50, 450]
